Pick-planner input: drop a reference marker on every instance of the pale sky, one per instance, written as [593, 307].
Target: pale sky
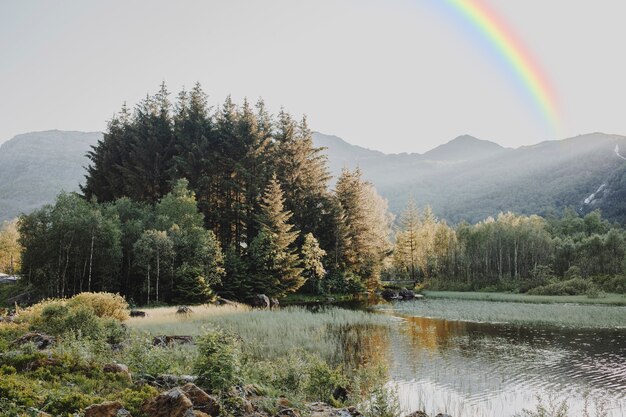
[392, 75]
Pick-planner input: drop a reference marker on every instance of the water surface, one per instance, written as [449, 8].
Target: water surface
[497, 369]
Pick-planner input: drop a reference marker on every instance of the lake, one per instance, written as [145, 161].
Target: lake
[469, 368]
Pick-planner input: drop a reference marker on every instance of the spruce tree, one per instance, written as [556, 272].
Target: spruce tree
[275, 261]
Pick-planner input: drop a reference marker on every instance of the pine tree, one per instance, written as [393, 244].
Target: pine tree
[405, 254]
[312, 266]
[274, 259]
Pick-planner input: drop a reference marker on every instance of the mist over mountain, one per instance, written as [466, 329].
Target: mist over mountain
[470, 179]
[464, 179]
[35, 167]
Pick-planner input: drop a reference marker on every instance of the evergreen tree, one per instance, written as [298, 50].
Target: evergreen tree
[274, 259]
[312, 266]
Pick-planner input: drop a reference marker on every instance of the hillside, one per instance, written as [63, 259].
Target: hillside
[35, 167]
[464, 179]
[469, 179]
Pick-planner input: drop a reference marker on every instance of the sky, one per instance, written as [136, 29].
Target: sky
[391, 75]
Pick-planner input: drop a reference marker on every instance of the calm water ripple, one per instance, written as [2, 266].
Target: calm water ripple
[483, 369]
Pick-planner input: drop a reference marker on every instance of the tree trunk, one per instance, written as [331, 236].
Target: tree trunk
[90, 261]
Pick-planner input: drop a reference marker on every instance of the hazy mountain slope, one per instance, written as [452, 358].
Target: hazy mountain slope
[465, 179]
[463, 148]
[467, 183]
[35, 167]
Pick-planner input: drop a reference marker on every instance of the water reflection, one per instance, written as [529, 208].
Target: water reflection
[481, 369]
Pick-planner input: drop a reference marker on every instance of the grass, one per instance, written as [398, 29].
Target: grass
[609, 299]
[270, 334]
[477, 310]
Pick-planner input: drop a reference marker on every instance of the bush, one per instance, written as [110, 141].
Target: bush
[614, 284]
[89, 315]
[574, 286]
[103, 304]
[218, 365]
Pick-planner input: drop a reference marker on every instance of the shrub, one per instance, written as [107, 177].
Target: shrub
[89, 315]
[218, 365]
[103, 304]
[574, 286]
[323, 380]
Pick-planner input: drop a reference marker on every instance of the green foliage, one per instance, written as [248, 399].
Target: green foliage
[218, 365]
[574, 286]
[274, 260]
[88, 315]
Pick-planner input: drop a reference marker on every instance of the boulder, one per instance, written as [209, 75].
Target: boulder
[106, 409]
[259, 301]
[42, 341]
[185, 310]
[325, 410]
[443, 415]
[388, 294]
[165, 340]
[223, 301]
[201, 400]
[287, 412]
[169, 381]
[118, 368]
[417, 414]
[172, 403]
[406, 294]
[137, 313]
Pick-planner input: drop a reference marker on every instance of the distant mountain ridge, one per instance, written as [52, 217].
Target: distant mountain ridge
[35, 167]
[464, 179]
[470, 179]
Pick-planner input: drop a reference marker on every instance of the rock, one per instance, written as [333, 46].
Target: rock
[172, 403]
[106, 409]
[443, 415]
[42, 363]
[340, 393]
[417, 414]
[287, 412]
[195, 413]
[419, 296]
[201, 400]
[137, 313]
[274, 302]
[184, 310]
[388, 294]
[166, 341]
[118, 368]
[406, 294]
[325, 410]
[222, 301]
[169, 381]
[259, 301]
[42, 341]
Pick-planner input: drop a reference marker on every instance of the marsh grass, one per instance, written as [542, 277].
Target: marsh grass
[270, 334]
[556, 314]
[607, 299]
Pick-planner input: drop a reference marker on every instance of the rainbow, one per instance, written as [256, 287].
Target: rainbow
[517, 58]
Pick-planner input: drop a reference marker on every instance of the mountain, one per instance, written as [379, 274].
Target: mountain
[463, 148]
[464, 179]
[35, 167]
[469, 179]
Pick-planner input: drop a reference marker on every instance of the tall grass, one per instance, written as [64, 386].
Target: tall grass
[270, 334]
[608, 299]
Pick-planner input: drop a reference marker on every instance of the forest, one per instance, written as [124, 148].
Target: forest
[183, 201]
